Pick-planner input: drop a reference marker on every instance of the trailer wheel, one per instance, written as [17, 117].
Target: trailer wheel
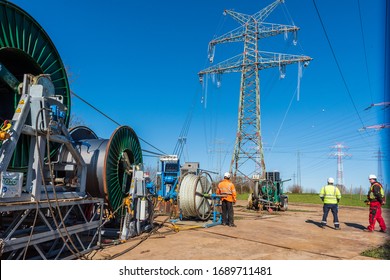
[250, 201]
[284, 204]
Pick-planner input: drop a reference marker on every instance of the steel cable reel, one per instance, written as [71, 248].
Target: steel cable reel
[25, 48]
[194, 196]
[105, 162]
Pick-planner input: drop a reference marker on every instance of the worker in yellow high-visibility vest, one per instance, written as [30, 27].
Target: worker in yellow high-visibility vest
[330, 195]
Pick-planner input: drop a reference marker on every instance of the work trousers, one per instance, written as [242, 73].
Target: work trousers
[334, 208]
[376, 215]
[227, 213]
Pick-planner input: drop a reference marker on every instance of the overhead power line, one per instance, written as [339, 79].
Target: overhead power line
[111, 119]
[365, 52]
[337, 63]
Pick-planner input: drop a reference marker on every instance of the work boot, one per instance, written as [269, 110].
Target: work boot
[383, 230]
[367, 230]
[337, 227]
[322, 225]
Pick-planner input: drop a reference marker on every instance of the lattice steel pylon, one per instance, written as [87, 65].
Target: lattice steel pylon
[248, 148]
[339, 154]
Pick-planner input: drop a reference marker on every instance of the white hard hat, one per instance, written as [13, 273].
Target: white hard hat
[372, 176]
[226, 175]
[330, 180]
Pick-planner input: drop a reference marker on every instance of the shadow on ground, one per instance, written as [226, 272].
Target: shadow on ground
[354, 225]
[318, 224]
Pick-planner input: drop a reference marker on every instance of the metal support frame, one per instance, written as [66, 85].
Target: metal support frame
[29, 230]
[48, 220]
[217, 215]
[36, 101]
[139, 207]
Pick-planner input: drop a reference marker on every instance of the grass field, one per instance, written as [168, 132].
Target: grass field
[346, 199]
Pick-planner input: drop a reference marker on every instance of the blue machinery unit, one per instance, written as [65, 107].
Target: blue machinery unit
[168, 177]
[187, 188]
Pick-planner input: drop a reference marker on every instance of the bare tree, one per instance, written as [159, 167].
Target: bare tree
[295, 189]
[342, 189]
[76, 121]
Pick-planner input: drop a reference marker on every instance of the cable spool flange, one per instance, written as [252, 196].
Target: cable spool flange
[105, 162]
[194, 196]
[25, 48]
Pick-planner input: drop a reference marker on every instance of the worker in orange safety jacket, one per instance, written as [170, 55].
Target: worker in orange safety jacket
[226, 187]
[375, 198]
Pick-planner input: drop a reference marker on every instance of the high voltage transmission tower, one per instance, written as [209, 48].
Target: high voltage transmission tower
[248, 148]
[380, 173]
[340, 154]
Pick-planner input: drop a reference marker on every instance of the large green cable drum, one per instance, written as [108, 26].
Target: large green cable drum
[25, 48]
[106, 165]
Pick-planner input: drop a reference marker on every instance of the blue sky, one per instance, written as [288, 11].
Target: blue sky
[137, 61]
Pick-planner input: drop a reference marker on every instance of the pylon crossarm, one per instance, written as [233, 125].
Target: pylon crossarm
[265, 12]
[375, 127]
[259, 16]
[273, 29]
[269, 60]
[384, 104]
[265, 60]
[241, 18]
[236, 35]
[265, 30]
[233, 64]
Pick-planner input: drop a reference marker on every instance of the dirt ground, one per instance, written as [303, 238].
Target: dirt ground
[291, 235]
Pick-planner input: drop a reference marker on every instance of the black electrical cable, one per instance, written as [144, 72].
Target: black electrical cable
[79, 254]
[89, 104]
[337, 63]
[40, 162]
[111, 119]
[153, 153]
[365, 52]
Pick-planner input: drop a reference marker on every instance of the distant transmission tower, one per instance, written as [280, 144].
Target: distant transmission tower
[299, 183]
[219, 143]
[380, 173]
[248, 149]
[339, 154]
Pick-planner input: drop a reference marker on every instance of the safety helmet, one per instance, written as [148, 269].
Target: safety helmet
[372, 176]
[226, 175]
[330, 180]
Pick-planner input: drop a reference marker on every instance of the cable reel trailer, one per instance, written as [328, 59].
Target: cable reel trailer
[115, 173]
[268, 193]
